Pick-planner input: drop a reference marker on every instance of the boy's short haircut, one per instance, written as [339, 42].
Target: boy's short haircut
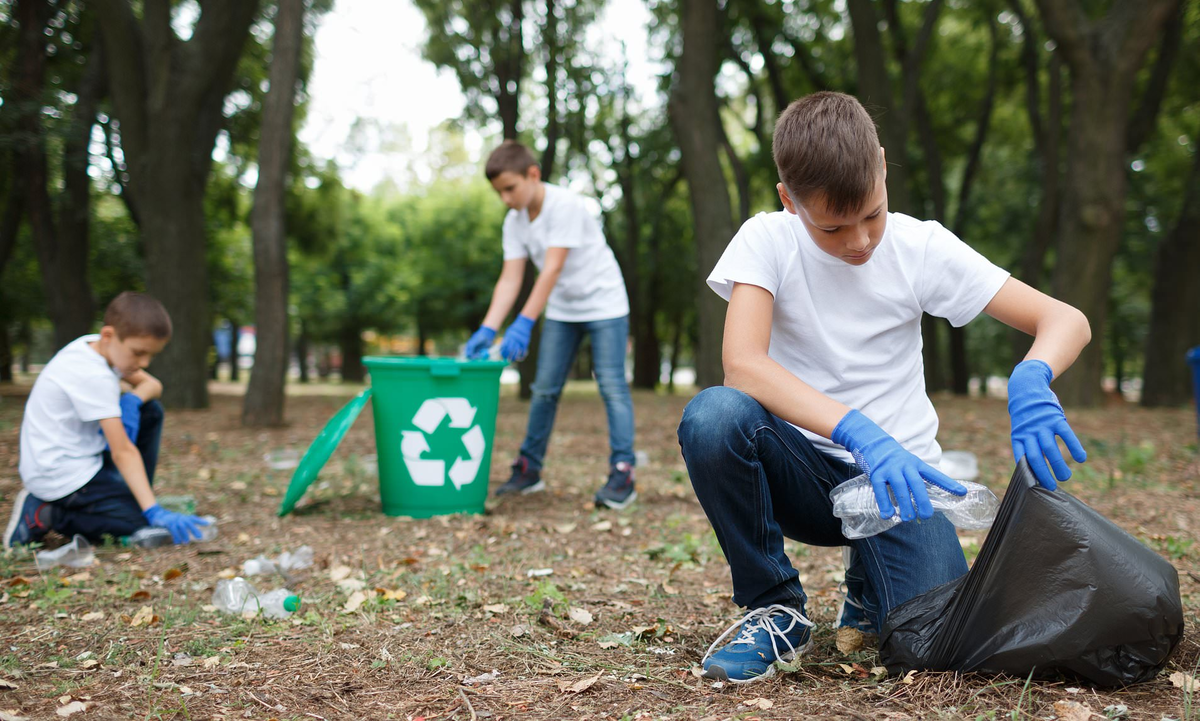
[510, 157]
[136, 315]
[826, 144]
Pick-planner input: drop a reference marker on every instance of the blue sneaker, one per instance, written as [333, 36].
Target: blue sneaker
[774, 633]
[29, 522]
[618, 491]
[524, 479]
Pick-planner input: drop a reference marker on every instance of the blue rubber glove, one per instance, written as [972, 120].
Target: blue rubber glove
[183, 528]
[516, 340]
[479, 342]
[1037, 418]
[890, 466]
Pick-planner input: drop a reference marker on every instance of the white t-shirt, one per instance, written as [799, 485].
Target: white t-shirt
[590, 286]
[60, 433]
[854, 332]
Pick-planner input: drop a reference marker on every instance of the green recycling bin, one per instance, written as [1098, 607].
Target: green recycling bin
[435, 420]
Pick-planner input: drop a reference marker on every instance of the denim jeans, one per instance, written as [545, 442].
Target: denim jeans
[559, 345]
[761, 480]
[105, 505]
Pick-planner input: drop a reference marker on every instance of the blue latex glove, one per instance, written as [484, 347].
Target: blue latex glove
[479, 342]
[1037, 418]
[183, 528]
[889, 465]
[516, 340]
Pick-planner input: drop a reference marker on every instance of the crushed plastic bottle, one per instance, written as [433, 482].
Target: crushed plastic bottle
[239, 596]
[854, 502]
[76, 554]
[285, 562]
[153, 537]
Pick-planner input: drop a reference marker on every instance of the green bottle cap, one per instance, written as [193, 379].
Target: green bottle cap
[291, 604]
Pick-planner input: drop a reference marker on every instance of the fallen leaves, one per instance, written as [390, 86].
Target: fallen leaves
[581, 685]
[175, 572]
[92, 616]
[761, 704]
[71, 708]
[1188, 683]
[496, 608]
[391, 594]
[356, 600]
[1072, 711]
[580, 615]
[139, 596]
[144, 617]
[12, 715]
[6, 685]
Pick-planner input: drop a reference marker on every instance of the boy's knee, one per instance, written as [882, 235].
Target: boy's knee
[152, 410]
[713, 415]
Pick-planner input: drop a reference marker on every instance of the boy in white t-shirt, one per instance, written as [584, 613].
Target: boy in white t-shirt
[88, 451]
[581, 288]
[824, 380]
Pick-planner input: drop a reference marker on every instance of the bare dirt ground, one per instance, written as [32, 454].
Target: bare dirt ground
[439, 618]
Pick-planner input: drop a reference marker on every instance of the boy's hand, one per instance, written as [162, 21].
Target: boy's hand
[183, 528]
[479, 342]
[516, 340]
[890, 465]
[1037, 418]
[145, 386]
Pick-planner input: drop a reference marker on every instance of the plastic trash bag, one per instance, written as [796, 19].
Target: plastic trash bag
[1056, 589]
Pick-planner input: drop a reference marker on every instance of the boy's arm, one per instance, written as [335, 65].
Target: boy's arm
[508, 287]
[516, 338]
[749, 369]
[128, 460]
[1060, 332]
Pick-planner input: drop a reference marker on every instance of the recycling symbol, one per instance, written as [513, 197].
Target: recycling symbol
[431, 472]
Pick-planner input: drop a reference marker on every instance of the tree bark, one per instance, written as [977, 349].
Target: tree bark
[265, 397]
[1175, 305]
[352, 355]
[693, 112]
[168, 96]
[302, 353]
[1104, 56]
[510, 68]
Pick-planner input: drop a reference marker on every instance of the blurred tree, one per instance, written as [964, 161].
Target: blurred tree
[1104, 53]
[264, 400]
[168, 95]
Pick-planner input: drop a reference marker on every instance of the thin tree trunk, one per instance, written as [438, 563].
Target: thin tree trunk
[302, 352]
[352, 354]
[1175, 305]
[235, 370]
[265, 397]
[693, 112]
[1104, 57]
[6, 358]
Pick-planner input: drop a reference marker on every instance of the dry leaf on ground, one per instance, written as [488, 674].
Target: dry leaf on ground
[761, 704]
[339, 573]
[390, 594]
[92, 616]
[6, 685]
[496, 608]
[11, 715]
[71, 708]
[358, 598]
[1182, 680]
[581, 685]
[1072, 711]
[580, 615]
[144, 617]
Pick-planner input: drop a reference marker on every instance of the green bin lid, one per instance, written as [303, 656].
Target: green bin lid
[321, 449]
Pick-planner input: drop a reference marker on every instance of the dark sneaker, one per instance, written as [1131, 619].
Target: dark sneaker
[524, 479]
[774, 633]
[29, 522]
[618, 492]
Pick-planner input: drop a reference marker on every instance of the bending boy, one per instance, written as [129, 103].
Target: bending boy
[88, 452]
[824, 380]
[581, 288]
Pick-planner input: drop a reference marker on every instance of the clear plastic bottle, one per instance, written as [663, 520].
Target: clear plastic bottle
[237, 595]
[153, 537]
[76, 554]
[854, 502]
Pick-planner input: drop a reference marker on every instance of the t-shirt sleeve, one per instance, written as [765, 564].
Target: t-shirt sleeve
[957, 281]
[570, 223]
[95, 396]
[511, 244]
[750, 258]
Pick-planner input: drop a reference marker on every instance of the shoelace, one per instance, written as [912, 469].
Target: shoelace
[760, 619]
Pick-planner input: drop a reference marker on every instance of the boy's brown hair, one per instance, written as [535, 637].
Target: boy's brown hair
[136, 315]
[510, 157]
[826, 144]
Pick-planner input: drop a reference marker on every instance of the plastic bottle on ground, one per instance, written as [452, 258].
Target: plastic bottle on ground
[153, 537]
[854, 502]
[76, 554]
[239, 596]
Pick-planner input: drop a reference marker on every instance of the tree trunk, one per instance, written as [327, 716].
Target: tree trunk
[61, 251]
[1175, 305]
[302, 352]
[6, 358]
[264, 402]
[693, 112]
[509, 67]
[235, 370]
[169, 97]
[1104, 57]
[352, 354]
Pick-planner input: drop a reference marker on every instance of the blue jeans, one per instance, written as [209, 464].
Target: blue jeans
[761, 480]
[560, 343]
[105, 506]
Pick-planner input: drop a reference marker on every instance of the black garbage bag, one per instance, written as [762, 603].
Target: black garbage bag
[1057, 589]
